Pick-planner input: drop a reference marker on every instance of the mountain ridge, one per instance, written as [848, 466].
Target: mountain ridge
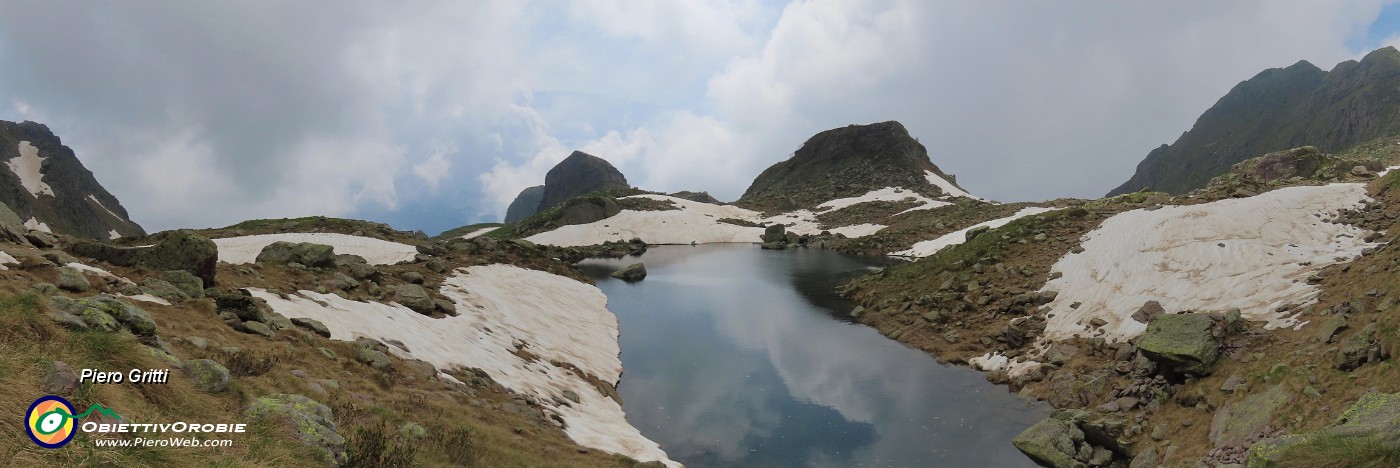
[1278, 109]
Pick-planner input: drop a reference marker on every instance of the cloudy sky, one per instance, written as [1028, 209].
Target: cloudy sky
[430, 115]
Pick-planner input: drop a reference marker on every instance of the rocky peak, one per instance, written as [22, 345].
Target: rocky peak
[845, 162]
[44, 183]
[525, 204]
[579, 174]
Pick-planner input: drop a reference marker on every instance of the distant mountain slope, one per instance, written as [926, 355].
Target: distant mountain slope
[525, 204]
[579, 174]
[847, 162]
[45, 184]
[1278, 109]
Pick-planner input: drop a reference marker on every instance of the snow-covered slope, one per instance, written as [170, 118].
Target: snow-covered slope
[949, 190]
[699, 222]
[932, 246]
[1251, 253]
[27, 167]
[245, 249]
[503, 307]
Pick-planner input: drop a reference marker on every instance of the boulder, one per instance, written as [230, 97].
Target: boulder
[72, 279]
[207, 375]
[241, 304]
[257, 328]
[414, 297]
[313, 422]
[107, 313]
[179, 250]
[584, 210]
[188, 283]
[1183, 343]
[633, 272]
[312, 324]
[305, 253]
[60, 379]
[1051, 442]
[775, 233]
[1149, 310]
[977, 231]
[163, 289]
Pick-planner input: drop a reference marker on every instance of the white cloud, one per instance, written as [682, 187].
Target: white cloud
[434, 169]
[1022, 101]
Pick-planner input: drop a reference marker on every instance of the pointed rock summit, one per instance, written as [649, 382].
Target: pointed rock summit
[46, 186]
[847, 162]
[1278, 109]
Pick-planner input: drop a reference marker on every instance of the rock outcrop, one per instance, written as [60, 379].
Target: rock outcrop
[845, 162]
[1278, 109]
[579, 174]
[44, 184]
[525, 204]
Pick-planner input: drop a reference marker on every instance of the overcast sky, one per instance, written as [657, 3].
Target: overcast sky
[431, 115]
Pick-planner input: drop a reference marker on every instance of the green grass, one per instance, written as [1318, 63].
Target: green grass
[1330, 450]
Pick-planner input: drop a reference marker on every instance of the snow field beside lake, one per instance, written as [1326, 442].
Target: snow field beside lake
[503, 307]
[1252, 253]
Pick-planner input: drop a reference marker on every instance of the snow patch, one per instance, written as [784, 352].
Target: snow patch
[480, 232]
[104, 207]
[1252, 253]
[998, 362]
[6, 259]
[245, 249]
[34, 224]
[148, 298]
[890, 194]
[932, 246]
[502, 307]
[113, 235]
[948, 188]
[699, 222]
[28, 167]
[1387, 171]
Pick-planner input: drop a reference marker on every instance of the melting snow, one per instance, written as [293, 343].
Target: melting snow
[245, 249]
[34, 224]
[892, 194]
[932, 246]
[113, 235]
[948, 188]
[1252, 253]
[996, 362]
[27, 166]
[699, 222]
[6, 259]
[104, 207]
[502, 307]
[148, 298]
[480, 232]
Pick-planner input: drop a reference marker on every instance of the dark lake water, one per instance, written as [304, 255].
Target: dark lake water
[735, 356]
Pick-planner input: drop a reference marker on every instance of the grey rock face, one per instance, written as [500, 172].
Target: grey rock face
[73, 203]
[525, 204]
[579, 174]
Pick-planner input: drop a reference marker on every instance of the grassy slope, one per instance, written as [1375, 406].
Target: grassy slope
[481, 425]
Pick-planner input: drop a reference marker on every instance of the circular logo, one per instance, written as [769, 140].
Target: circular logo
[50, 422]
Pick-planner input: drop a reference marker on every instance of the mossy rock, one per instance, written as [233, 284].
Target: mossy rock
[71, 279]
[186, 282]
[163, 289]
[1051, 442]
[305, 253]
[313, 422]
[1372, 422]
[1184, 343]
[207, 375]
